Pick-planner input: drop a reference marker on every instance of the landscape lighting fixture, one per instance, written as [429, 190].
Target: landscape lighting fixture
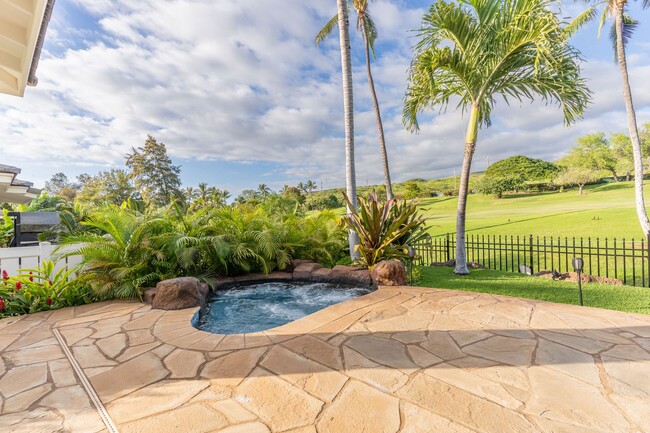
[578, 264]
[411, 254]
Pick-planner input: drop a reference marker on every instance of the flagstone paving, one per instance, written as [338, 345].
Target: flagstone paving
[400, 359]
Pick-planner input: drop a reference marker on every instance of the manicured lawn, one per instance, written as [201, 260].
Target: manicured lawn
[603, 211]
[623, 298]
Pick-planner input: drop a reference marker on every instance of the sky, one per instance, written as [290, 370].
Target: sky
[240, 95]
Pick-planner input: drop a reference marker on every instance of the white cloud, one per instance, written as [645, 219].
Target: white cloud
[242, 81]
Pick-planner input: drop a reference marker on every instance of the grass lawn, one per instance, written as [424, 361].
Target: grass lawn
[603, 211]
[623, 298]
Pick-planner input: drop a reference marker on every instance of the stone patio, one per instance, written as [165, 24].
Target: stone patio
[397, 360]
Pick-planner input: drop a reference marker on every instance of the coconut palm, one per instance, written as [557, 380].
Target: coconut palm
[366, 25]
[476, 50]
[264, 190]
[311, 186]
[621, 31]
[348, 109]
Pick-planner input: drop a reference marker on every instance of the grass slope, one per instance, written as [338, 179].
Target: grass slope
[622, 298]
[606, 210]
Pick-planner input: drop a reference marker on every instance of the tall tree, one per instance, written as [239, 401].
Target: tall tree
[155, 177]
[264, 190]
[473, 51]
[368, 29]
[113, 186]
[595, 153]
[311, 186]
[59, 185]
[621, 31]
[348, 113]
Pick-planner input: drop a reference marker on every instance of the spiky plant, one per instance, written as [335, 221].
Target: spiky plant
[384, 228]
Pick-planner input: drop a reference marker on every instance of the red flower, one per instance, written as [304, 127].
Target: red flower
[18, 285]
[5, 275]
[30, 277]
[49, 281]
[2, 304]
[49, 301]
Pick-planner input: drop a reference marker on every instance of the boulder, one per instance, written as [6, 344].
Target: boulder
[304, 271]
[389, 273]
[180, 293]
[322, 275]
[223, 282]
[293, 264]
[351, 276]
[148, 295]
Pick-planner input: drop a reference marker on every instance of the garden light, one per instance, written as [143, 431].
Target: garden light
[578, 263]
[411, 254]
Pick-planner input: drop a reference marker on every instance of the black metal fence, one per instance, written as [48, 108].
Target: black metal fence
[626, 260]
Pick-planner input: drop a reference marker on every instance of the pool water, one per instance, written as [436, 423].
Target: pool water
[264, 306]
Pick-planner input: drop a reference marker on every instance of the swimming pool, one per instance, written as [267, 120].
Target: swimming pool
[264, 306]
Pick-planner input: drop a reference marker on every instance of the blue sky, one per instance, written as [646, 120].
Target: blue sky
[241, 96]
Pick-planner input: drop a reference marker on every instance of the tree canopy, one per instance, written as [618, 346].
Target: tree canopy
[155, 177]
[530, 169]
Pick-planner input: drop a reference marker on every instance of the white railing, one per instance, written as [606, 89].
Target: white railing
[14, 259]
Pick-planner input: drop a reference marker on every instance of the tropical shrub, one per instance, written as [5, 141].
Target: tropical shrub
[124, 251]
[42, 289]
[121, 255]
[385, 229]
[6, 229]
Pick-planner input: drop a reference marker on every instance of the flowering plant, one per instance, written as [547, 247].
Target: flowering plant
[40, 289]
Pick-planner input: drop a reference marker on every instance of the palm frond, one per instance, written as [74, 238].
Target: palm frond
[327, 30]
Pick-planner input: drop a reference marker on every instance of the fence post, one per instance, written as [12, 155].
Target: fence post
[447, 247]
[45, 252]
[648, 257]
[530, 251]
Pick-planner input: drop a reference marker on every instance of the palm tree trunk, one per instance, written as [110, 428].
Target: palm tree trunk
[631, 122]
[463, 189]
[380, 126]
[348, 108]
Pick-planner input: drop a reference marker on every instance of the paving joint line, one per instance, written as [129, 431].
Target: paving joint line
[103, 413]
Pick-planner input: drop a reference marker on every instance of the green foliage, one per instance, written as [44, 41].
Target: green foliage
[114, 186]
[42, 289]
[46, 203]
[498, 185]
[6, 229]
[126, 251]
[475, 51]
[529, 169]
[385, 229]
[323, 201]
[411, 190]
[593, 152]
[154, 176]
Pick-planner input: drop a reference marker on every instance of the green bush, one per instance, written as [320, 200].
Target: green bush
[42, 289]
[127, 251]
[385, 229]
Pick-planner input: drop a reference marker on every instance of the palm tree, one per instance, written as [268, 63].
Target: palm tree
[476, 50]
[620, 33]
[348, 109]
[311, 186]
[369, 32]
[264, 190]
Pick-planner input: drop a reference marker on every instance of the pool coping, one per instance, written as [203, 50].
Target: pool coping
[181, 332]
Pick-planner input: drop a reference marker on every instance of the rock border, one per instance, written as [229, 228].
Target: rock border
[299, 271]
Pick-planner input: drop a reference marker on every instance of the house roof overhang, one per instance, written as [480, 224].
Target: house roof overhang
[23, 24]
[13, 190]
